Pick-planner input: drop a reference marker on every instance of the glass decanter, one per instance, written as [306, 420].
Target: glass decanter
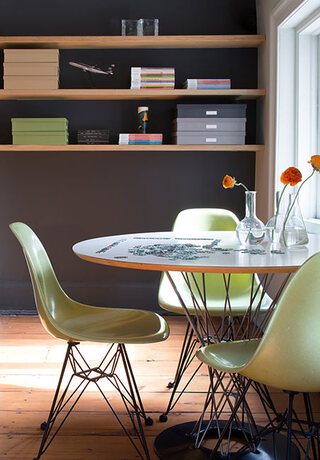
[250, 230]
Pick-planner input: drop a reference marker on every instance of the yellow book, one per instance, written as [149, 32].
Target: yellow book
[34, 82]
[31, 55]
[30, 68]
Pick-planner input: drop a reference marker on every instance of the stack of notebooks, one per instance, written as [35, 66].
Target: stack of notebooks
[207, 83]
[45, 131]
[152, 77]
[31, 69]
[93, 136]
[140, 139]
[210, 124]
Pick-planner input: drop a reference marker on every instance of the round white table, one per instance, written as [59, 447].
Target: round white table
[205, 252]
[201, 252]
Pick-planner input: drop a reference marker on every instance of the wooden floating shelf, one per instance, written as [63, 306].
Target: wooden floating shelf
[135, 148]
[126, 94]
[117, 42]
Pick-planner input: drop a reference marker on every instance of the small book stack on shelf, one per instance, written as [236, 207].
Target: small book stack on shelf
[141, 139]
[35, 131]
[152, 77]
[31, 69]
[210, 124]
[207, 83]
[93, 136]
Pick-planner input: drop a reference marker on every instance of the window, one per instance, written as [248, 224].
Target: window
[298, 101]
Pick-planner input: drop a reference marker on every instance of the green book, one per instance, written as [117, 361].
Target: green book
[43, 138]
[39, 124]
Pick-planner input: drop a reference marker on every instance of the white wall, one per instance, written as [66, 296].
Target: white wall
[266, 111]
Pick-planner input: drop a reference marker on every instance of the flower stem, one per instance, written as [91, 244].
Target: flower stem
[242, 185]
[292, 205]
[277, 211]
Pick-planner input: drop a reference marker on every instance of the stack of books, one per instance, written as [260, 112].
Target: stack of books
[43, 131]
[152, 77]
[93, 136]
[210, 124]
[127, 139]
[207, 83]
[31, 69]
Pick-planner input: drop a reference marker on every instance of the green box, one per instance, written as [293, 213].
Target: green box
[43, 138]
[39, 124]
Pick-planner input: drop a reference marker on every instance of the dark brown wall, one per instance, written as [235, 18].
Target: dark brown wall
[67, 197]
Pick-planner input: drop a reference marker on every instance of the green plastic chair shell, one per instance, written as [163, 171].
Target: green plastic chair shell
[67, 319]
[210, 219]
[288, 354]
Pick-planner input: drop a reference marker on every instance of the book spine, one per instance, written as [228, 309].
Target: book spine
[135, 77]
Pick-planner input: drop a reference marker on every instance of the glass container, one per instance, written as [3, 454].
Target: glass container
[250, 230]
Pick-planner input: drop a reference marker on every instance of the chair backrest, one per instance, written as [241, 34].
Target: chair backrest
[288, 356]
[207, 219]
[51, 300]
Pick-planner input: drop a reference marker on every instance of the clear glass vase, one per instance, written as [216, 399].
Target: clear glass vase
[274, 226]
[294, 229]
[250, 230]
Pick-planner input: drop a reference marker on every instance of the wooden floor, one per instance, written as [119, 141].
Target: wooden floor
[30, 362]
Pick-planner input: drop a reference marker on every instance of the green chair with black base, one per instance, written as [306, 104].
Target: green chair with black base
[286, 357]
[74, 323]
[240, 288]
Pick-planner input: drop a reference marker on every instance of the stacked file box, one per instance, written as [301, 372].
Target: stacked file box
[31, 69]
[210, 124]
[29, 131]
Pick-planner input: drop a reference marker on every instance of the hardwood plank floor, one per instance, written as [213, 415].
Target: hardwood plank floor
[30, 362]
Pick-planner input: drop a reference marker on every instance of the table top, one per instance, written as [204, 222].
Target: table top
[207, 252]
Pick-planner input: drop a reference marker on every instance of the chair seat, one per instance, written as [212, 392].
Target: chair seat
[229, 357]
[110, 325]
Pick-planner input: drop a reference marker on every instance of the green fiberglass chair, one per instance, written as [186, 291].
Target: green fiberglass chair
[75, 322]
[288, 354]
[243, 291]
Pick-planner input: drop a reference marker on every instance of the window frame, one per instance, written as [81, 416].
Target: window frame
[297, 113]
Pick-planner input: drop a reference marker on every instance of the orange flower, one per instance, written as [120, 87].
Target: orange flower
[291, 176]
[315, 162]
[228, 182]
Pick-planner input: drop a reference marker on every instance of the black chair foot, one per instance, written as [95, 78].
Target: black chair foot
[148, 421]
[170, 385]
[163, 418]
[43, 426]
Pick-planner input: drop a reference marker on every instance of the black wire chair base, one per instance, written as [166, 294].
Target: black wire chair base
[177, 443]
[75, 385]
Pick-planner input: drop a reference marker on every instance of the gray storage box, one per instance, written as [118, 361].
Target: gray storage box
[211, 110]
[202, 138]
[203, 124]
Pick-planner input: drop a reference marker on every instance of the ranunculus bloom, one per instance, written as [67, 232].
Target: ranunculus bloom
[228, 182]
[291, 176]
[315, 162]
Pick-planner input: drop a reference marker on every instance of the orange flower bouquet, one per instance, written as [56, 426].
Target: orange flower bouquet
[250, 230]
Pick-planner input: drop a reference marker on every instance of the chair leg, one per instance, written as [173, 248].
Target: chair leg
[47, 426]
[81, 370]
[289, 423]
[313, 429]
[187, 355]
